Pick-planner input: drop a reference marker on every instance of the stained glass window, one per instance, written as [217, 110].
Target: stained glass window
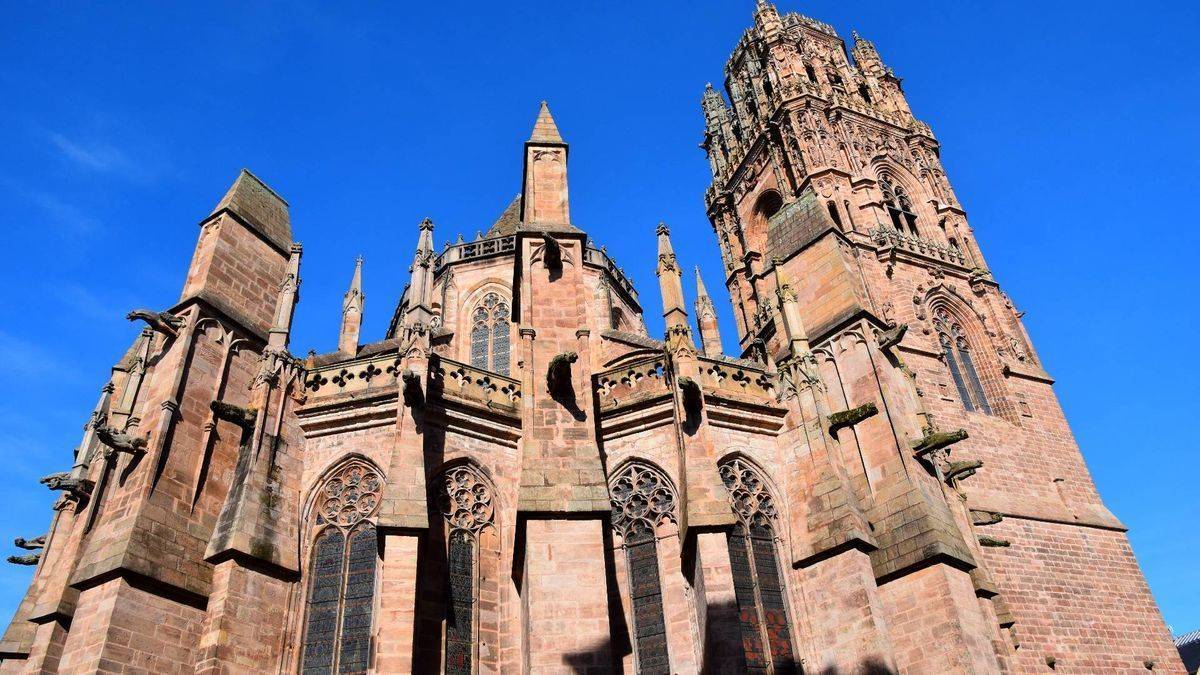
[465, 499]
[757, 582]
[957, 352]
[642, 500]
[490, 334]
[341, 590]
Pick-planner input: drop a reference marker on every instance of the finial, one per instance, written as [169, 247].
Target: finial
[663, 229]
[426, 224]
[854, 34]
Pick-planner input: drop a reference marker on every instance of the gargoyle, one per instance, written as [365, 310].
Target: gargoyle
[963, 469]
[936, 440]
[161, 322]
[847, 418]
[552, 255]
[692, 398]
[79, 487]
[985, 517]
[236, 414]
[892, 337]
[985, 540]
[28, 559]
[558, 375]
[121, 441]
[414, 395]
[30, 544]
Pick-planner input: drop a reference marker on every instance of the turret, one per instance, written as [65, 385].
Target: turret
[352, 310]
[285, 306]
[670, 283]
[706, 320]
[544, 199]
[789, 312]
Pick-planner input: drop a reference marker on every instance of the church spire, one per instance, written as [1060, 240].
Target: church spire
[352, 309]
[420, 289]
[544, 199]
[670, 284]
[706, 320]
[285, 303]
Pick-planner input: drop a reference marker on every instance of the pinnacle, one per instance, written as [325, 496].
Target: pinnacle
[701, 291]
[544, 129]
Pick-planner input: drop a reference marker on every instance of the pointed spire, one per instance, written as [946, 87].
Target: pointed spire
[285, 303]
[706, 320]
[544, 129]
[545, 197]
[352, 310]
[420, 287]
[670, 284]
[254, 203]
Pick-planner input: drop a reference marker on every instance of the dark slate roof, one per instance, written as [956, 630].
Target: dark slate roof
[797, 225]
[508, 221]
[1188, 645]
[367, 350]
[633, 339]
[259, 206]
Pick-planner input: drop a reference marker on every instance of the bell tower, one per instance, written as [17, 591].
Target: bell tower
[854, 272]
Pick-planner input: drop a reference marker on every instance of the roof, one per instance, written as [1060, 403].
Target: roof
[508, 221]
[255, 203]
[1188, 645]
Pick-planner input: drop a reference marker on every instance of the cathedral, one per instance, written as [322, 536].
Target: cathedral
[873, 476]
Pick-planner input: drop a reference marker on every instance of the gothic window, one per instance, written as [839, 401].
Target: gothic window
[957, 352]
[642, 500]
[489, 334]
[835, 81]
[833, 213]
[341, 585]
[757, 580]
[465, 499]
[899, 206]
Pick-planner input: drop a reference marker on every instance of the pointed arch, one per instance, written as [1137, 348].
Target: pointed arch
[758, 578]
[343, 563]
[962, 340]
[643, 501]
[487, 323]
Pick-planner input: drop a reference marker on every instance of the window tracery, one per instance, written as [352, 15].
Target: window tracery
[490, 334]
[465, 499]
[341, 591]
[757, 581]
[642, 500]
[899, 206]
[957, 352]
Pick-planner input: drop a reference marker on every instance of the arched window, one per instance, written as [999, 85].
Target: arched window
[465, 498]
[489, 334]
[899, 206]
[642, 500]
[957, 352]
[341, 584]
[757, 580]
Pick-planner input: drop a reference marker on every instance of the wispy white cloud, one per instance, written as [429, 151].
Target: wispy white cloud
[69, 218]
[96, 156]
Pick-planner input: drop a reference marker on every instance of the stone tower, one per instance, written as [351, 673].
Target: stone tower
[947, 475]
[518, 477]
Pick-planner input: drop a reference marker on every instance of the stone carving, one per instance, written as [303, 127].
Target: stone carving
[847, 418]
[414, 394]
[62, 481]
[937, 440]
[119, 441]
[552, 254]
[558, 374]
[693, 398]
[28, 559]
[236, 414]
[892, 337]
[351, 494]
[982, 518]
[160, 322]
[748, 492]
[30, 544]
[642, 500]
[465, 499]
[956, 471]
[985, 540]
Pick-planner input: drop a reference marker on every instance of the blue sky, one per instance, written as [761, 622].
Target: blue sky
[1068, 130]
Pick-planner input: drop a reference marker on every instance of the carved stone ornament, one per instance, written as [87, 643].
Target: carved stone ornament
[752, 501]
[350, 494]
[465, 499]
[642, 499]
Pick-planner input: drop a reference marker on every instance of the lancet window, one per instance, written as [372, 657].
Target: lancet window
[642, 501]
[957, 352]
[341, 584]
[465, 498]
[757, 580]
[899, 206]
[490, 334]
